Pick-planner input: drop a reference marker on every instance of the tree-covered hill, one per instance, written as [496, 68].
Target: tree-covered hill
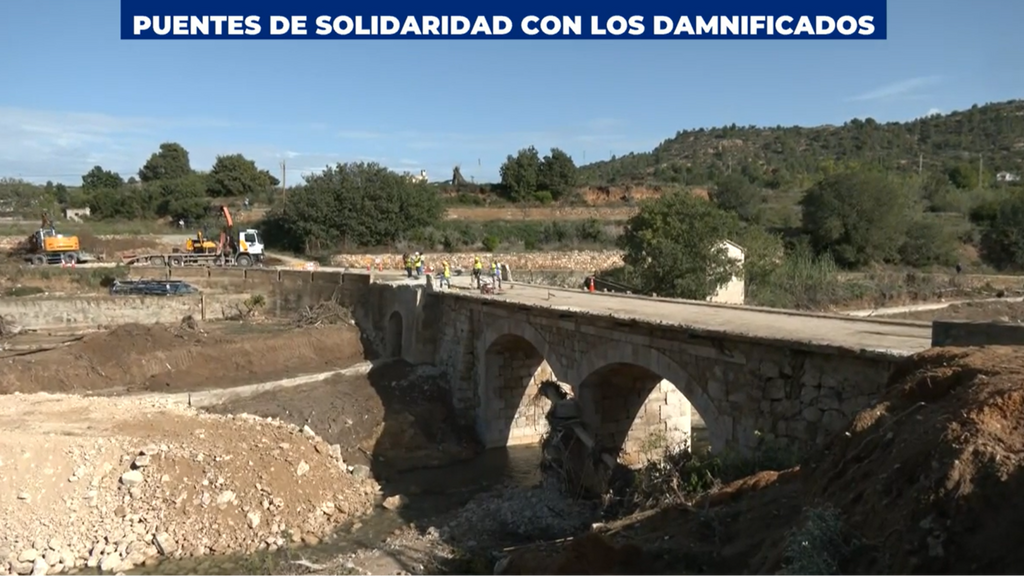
[786, 157]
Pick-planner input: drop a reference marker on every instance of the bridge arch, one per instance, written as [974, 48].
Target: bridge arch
[516, 359]
[637, 400]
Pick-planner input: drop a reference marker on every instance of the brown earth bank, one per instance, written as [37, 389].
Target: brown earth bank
[928, 481]
[156, 358]
[395, 418]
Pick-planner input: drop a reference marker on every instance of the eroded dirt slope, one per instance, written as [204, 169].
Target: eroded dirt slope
[396, 417]
[156, 358]
[928, 481]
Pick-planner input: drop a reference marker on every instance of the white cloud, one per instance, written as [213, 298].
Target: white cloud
[901, 89]
[40, 145]
[359, 135]
[933, 112]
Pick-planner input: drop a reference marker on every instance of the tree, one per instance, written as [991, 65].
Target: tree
[170, 162]
[183, 198]
[61, 194]
[100, 179]
[735, 193]
[358, 204]
[674, 246]
[235, 175]
[557, 174]
[859, 217]
[520, 174]
[1002, 244]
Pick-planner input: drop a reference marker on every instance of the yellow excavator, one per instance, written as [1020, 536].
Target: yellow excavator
[46, 246]
[200, 245]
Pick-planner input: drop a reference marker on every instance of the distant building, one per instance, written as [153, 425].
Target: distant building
[1007, 177]
[76, 214]
[733, 291]
[421, 177]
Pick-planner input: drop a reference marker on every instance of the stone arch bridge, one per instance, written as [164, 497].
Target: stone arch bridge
[641, 368]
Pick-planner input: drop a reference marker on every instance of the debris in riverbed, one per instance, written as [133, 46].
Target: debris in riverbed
[327, 312]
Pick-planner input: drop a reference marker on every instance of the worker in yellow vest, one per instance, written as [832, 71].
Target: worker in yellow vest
[446, 275]
[496, 273]
[419, 264]
[478, 269]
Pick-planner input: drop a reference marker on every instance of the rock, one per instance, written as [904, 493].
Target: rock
[40, 567]
[302, 468]
[53, 544]
[23, 496]
[52, 558]
[252, 519]
[336, 452]
[111, 562]
[141, 461]
[812, 414]
[22, 568]
[395, 502]
[131, 478]
[165, 544]
[308, 432]
[226, 497]
[149, 450]
[361, 471]
[29, 555]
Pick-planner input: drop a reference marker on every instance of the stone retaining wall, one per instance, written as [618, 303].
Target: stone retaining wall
[967, 333]
[98, 312]
[578, 260]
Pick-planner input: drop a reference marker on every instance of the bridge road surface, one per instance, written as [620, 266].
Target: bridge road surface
[887, 337]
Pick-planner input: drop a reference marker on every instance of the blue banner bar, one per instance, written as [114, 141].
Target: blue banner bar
[332, 20]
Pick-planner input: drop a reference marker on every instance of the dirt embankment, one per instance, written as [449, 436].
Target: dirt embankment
[395, 418]
[135, 357]
[928, 481]
[113, 483]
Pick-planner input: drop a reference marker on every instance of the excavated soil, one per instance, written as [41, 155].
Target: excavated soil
[928, 481]
[155, 358]
[113, 483]
[395, 418]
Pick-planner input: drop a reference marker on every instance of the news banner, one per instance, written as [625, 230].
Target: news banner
[324, 19]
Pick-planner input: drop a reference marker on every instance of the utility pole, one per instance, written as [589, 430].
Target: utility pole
[920, 164]
[981, 165]
[284, 176]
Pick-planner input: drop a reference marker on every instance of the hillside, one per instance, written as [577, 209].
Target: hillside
[782, 157]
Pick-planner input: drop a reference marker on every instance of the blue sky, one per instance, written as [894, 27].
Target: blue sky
[74, 95]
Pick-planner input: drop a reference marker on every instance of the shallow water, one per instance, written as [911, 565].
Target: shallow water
[430, 492]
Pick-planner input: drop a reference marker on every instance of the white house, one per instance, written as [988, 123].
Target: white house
[421, 177]
[734, 291]
[1007, 177]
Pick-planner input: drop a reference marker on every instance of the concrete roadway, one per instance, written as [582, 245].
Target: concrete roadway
[885, 336]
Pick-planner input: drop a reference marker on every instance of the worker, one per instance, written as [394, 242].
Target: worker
[407, 263]
[496, 273]
[419, 264]
[478, 269]
[446, 275]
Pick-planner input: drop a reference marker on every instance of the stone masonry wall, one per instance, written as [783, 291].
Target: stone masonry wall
[644, 417]
[742, 390]
[578, 260]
